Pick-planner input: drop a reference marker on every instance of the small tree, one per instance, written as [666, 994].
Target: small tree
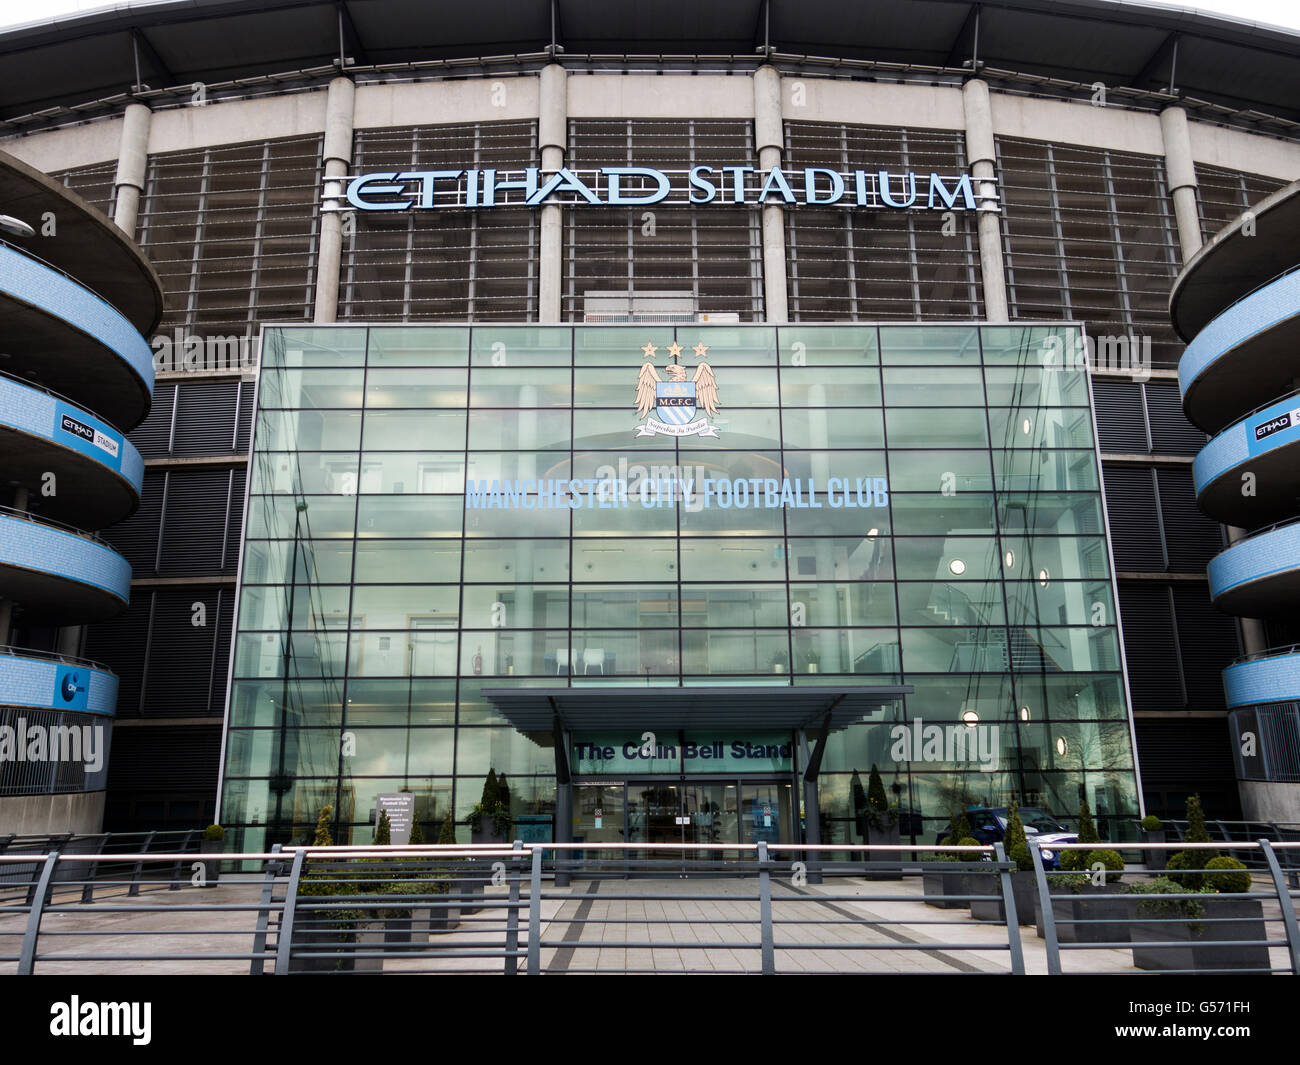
[447, 834]
[879, 813]
[384, 830]
[417, 834]
[503, 792]
[323, 837]
[491, 791]
[1196, 830]
[1192, 859]
[319, 884]
[1014, 841]
[1087, 828]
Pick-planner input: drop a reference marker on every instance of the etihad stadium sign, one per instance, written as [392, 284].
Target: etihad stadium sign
[641, 186]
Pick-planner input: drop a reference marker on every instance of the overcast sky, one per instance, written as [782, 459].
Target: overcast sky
[1276, 12]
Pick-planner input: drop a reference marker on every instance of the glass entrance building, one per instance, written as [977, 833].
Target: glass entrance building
[674, 581]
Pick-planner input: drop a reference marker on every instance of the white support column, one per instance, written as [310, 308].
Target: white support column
[552, 137]
[769, 140]
[980, 157]
[1181, 174]
[132, 162]
[337, 160]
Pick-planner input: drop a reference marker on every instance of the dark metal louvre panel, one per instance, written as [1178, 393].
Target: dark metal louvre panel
[1209, 642]
[1150, 647]
[1131, 507]
[175, 760]
[1224, 194]
[1171, 433]
[153, 435]
[242, 441]
[1192, 538]
[119, 644]
[1183, 751]
[221, 657]
[1121, 422]
[195, 522]
[94, 184]
[865, 265]
[180, 654]
[234, 521]
[137, 537]
[205, 418]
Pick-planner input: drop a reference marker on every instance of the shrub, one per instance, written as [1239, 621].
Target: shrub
[213, 833]
[384, 831]
[1180, 860]
[1192, 859]
[447, 834]
[1156, 907]
[320, 884]
[1236, 881]
[1073, 861]
[880, 815]
[417, 833]
[1111, 860]
[1015, 834]
[1087, 828]
[1021, 856]
[1196, 831]
[965, 856]
[1151, 823]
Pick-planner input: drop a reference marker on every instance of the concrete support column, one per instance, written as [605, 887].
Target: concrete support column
[553, 139]
[769, 139]
[132, 162]
[1181, 173]
[980, 157]
[6, 620]
[337, 159]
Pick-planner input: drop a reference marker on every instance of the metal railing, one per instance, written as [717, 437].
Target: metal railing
[1177, 921]
[543, 908]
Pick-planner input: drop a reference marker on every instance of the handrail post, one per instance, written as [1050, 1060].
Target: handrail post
[1009, 912]
[44, 885]
[768, 945]
[285, 941]
[92, 869]
[512, 914]
[175, 885]
[1286, 902]
[273, 870]
[134, 889]
[535, 915]
[1049, 914]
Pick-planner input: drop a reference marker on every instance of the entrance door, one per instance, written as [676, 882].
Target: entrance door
[766, 813]
[712, 816]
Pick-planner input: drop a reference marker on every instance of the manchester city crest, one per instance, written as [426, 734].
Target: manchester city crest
[681, 407]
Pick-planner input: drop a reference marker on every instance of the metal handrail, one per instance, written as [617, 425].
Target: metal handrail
[53, 656]
[59, 270]
[1269, 652]
[59, 395]
[27, 515]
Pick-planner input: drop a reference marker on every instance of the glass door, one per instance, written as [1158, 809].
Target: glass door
[598, 817]
[654, 814]
[766, 813]
[713, 816]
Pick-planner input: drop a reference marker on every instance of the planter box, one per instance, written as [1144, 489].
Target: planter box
[470, 889]
[1023, 890]
[1187, 948]
[336, 946]
[1104, 903]
[944, 884]
[880, 836]
[211, 865]
[1154, 859]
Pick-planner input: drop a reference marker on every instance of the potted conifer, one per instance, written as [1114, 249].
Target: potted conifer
[213, 842]
[882, 826]
[1024, 887]
[1153, 831]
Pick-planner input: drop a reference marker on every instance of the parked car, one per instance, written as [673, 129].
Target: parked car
[989, 825]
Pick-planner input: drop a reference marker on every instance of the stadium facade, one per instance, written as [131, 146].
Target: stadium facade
[927, 251]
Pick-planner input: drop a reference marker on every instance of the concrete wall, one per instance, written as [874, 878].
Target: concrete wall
[668, 96]
[1271, 801]
[28, 815]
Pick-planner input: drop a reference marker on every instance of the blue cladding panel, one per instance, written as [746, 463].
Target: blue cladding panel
[1268, 553]
[1266, 680]
[39, 682]
[48, 550]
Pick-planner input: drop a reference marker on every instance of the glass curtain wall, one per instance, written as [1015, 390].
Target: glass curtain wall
[935, 520]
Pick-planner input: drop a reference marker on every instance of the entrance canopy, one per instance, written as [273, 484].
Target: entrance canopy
[773, 707]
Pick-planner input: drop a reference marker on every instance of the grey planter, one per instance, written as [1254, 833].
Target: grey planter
[211, 866]
[944, 884]
[1154, 859]
[334, 946]
[1023, 889]
[1182, 944]
[1104, 903]
[878, 836]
